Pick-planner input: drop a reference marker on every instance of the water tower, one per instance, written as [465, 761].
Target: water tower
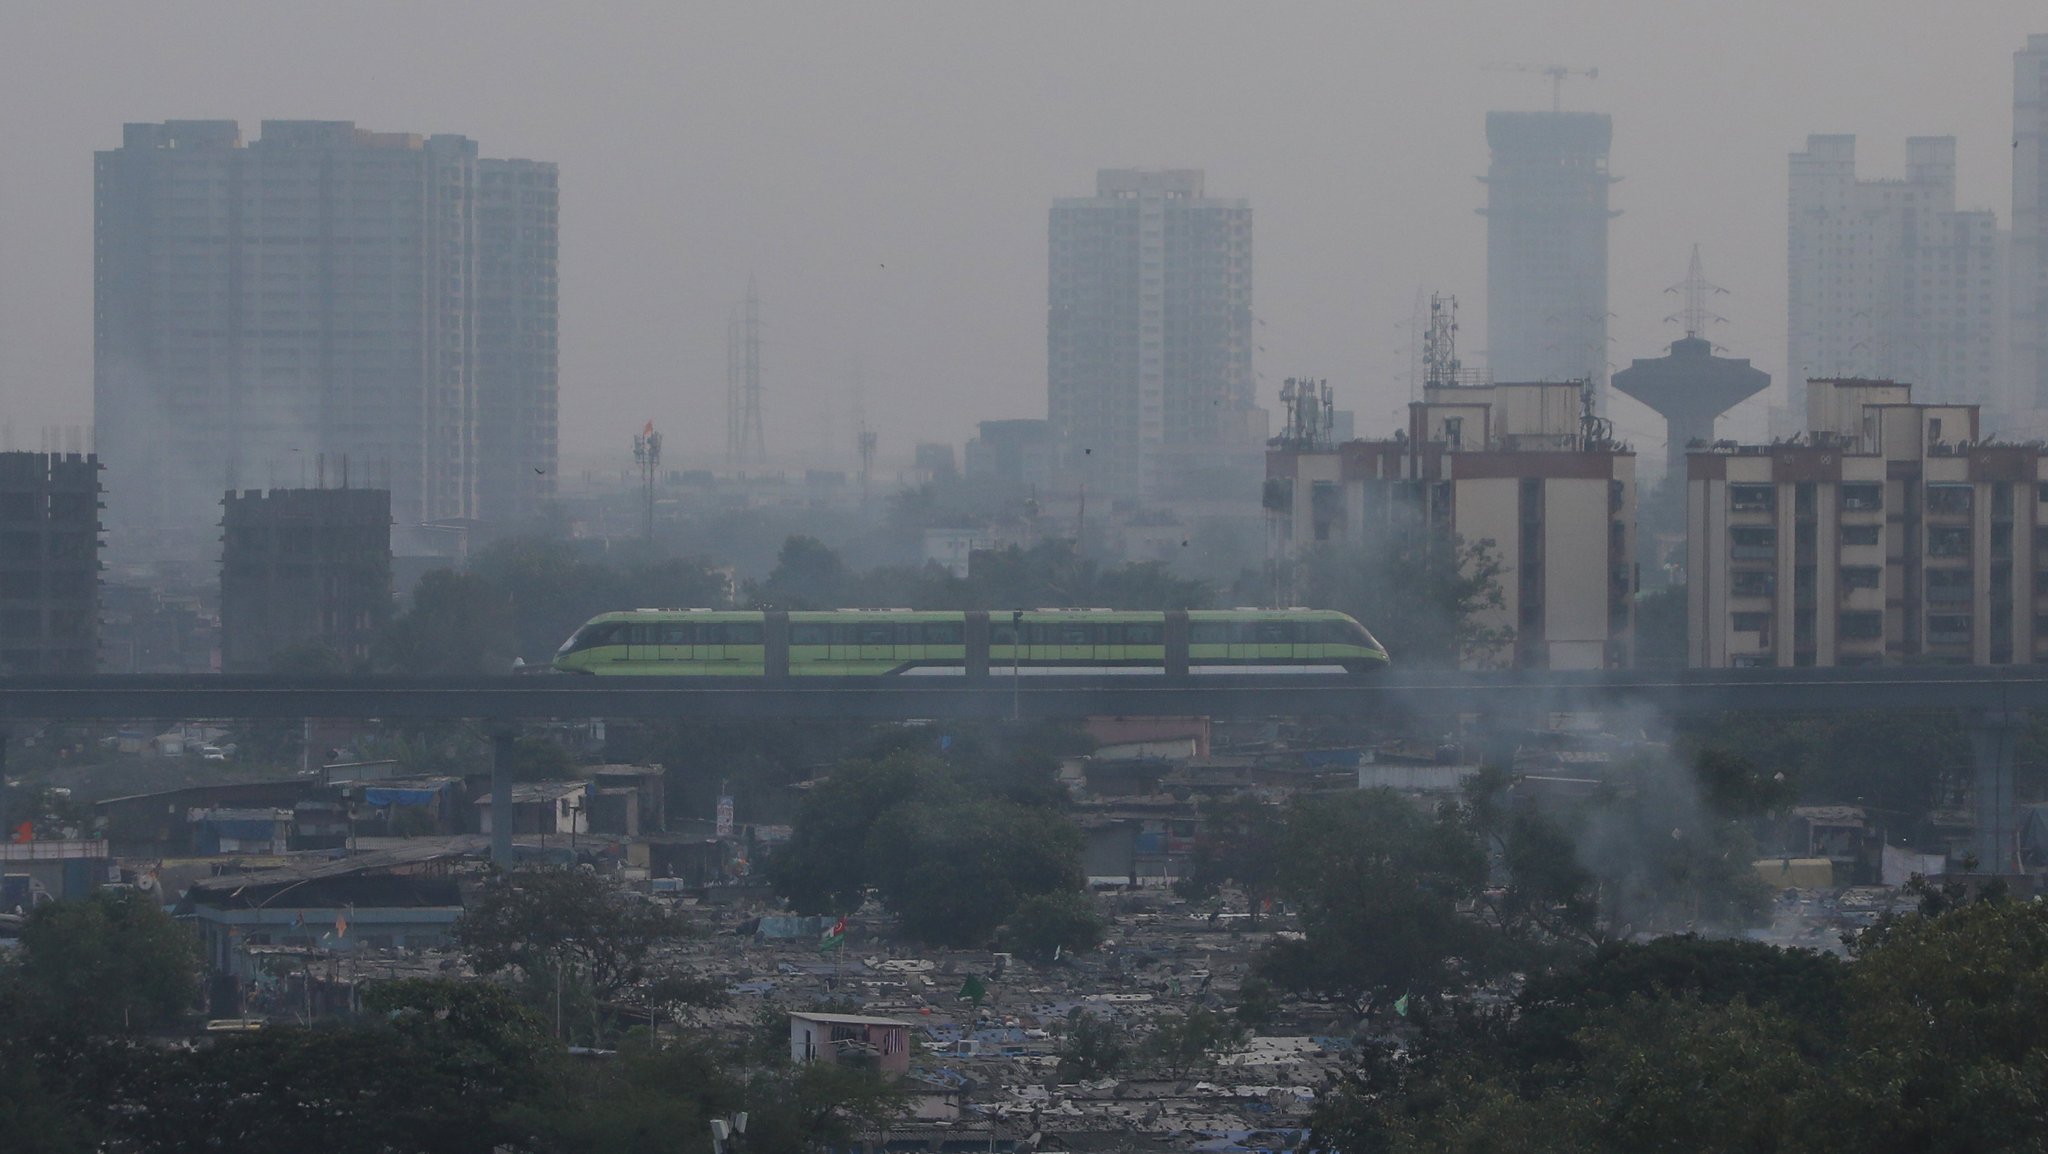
[1690, 386]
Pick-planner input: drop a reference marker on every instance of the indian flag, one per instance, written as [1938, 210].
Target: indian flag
[834, 937]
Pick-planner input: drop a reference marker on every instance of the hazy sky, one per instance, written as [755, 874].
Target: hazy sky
[884, 170]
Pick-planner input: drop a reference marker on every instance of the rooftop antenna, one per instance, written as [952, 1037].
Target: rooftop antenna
[1557, 74]
[1695, 289]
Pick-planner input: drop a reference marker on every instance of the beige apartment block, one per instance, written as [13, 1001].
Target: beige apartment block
[1522, 467]
[1887, 533]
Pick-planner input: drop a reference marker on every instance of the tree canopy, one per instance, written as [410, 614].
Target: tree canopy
[945, 850]
[1430, 597]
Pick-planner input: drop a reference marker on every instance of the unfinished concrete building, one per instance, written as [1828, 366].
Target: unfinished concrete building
[303, 566]
[49, 563]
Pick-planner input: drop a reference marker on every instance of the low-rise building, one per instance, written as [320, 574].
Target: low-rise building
[1524, 468]
[1888, 532]
[542, 807]
[851, 1040]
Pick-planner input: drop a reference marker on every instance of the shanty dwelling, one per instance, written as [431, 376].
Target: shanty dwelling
[851, 1040]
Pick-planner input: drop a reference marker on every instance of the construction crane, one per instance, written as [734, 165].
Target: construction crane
[1557, 74]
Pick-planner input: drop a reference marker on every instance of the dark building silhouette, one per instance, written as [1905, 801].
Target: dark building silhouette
[49, 563]
[1689, 387]
[302, 565]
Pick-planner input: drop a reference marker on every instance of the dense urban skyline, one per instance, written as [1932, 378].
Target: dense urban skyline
[886, 177]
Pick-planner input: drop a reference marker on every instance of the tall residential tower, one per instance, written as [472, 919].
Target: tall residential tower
[2029, 272]
[1149, 335]
[1546, 247]
[1886, 280]
[318, 300]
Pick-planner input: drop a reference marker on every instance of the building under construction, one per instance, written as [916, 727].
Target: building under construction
[303, 566]
[49, 563]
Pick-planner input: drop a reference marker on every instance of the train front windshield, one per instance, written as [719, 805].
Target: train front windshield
[592, 636]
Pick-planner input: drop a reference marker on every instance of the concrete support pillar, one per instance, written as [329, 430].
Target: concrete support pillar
[1992, 736]
[502, 738]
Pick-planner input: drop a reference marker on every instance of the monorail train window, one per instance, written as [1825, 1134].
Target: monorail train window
[676, 633]
[1003, 634]
[944, 633]
[1332, 633]
[742, 633]
[644, 635]
[1136, 634]
[810, 633]
[1209, 633]
[879, 633]
[592, 636]
[1277, 633]
[1076, 635]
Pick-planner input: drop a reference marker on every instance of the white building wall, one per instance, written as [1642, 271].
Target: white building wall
[1575, 578]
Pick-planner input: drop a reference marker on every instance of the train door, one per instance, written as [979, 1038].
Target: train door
[909, 644]
[675, 643]
[1275, 640]
[1244, 642]
[743, 649]
[709, 650]
[877, 644]
[1077, 642]
[643, 643]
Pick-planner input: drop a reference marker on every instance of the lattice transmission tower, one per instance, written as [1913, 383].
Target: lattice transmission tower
[745, 442]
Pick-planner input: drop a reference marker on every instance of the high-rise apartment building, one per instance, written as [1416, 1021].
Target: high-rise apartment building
[299, 566]
[320, 300]
[49, 563]
[1546, 247]
[2028, 277]
[1887, 280]
[1149, 336]
[1521, 467]
[1888, 533]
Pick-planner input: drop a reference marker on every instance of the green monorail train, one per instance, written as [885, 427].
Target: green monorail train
[881, 642]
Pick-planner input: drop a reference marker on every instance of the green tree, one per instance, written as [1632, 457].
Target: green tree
[953, 869]
[1948, 1023]
[1242, 841]
[1061, 921]
[545, 920]
[437, 1069]
[824, 867]
[551, 589]
[651, 1100]
[1379, 886]
[1258, 1003]
[1091, 1049]
[113, 963]
[458, 623]
[808, 574]
[1181, 1043]
[1428, 596]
